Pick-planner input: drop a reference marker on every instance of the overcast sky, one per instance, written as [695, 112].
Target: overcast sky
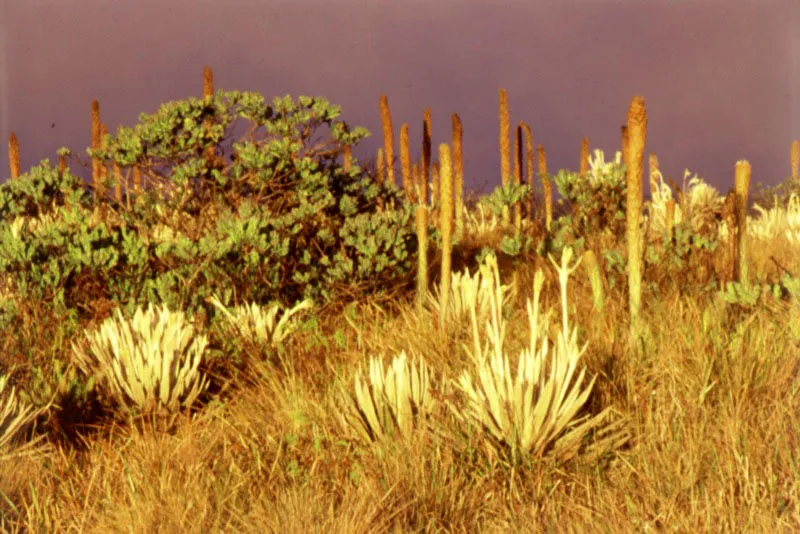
[721, 79]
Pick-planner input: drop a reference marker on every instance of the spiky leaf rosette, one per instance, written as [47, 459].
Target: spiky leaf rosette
[391, 402]
[150, 363]
[14, 416]
[535, 412]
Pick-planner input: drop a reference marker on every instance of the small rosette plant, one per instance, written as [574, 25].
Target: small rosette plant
[391, 402]
[149, 364]
[14, 416]
[469, 293]
[257, 325]
[700, 205]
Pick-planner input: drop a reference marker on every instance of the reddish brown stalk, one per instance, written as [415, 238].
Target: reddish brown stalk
[405, 163]
[505, 164]
[426, 153]
[458, 173]
[584, 157]
[13, 155]
[388, 138]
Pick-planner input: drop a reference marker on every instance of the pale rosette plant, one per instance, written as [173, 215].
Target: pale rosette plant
[148, 364]
[482, 221]
[14, 416]
[469, 293]
[702, 203]
[258, 325]
[775, 222]
[391, 402]
[602, 171]
[534, 413]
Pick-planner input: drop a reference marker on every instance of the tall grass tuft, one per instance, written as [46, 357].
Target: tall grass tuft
[634, 138]
[505, 164]
[388, 138]
[13, 155]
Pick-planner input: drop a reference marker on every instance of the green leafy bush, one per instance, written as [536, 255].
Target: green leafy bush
[597, 199]
[269, 217]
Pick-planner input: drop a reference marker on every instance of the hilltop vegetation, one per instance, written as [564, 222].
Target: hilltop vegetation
[198, 340]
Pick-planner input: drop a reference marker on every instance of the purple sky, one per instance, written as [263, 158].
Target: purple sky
[721, 79]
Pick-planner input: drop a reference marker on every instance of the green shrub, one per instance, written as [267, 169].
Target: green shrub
[276, 219]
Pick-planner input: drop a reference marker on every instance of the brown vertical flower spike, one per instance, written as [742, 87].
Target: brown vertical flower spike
[742, 185]
[529, 166]
[208, 82]
[426, 153]
[794, 156]
[446, 226]
[634, 137]
[584, 157]
[381, 173]
[624, 142]
[458, 174]
[421, 219]
[388, 138]
[548, 189]
[95, 145]
[505, 164]
[405, 162]
[518, 176]
[347, 156]
[103, 168]
[653, 173]
[13, 155]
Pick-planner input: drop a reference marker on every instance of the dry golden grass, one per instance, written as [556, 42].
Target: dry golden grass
[713, 403]
[710, 396]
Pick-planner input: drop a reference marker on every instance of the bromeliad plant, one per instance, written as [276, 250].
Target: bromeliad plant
[147, 365]
[257, 325]
[534, 413]
[389, 403]
[14, 416]
[471, 293]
